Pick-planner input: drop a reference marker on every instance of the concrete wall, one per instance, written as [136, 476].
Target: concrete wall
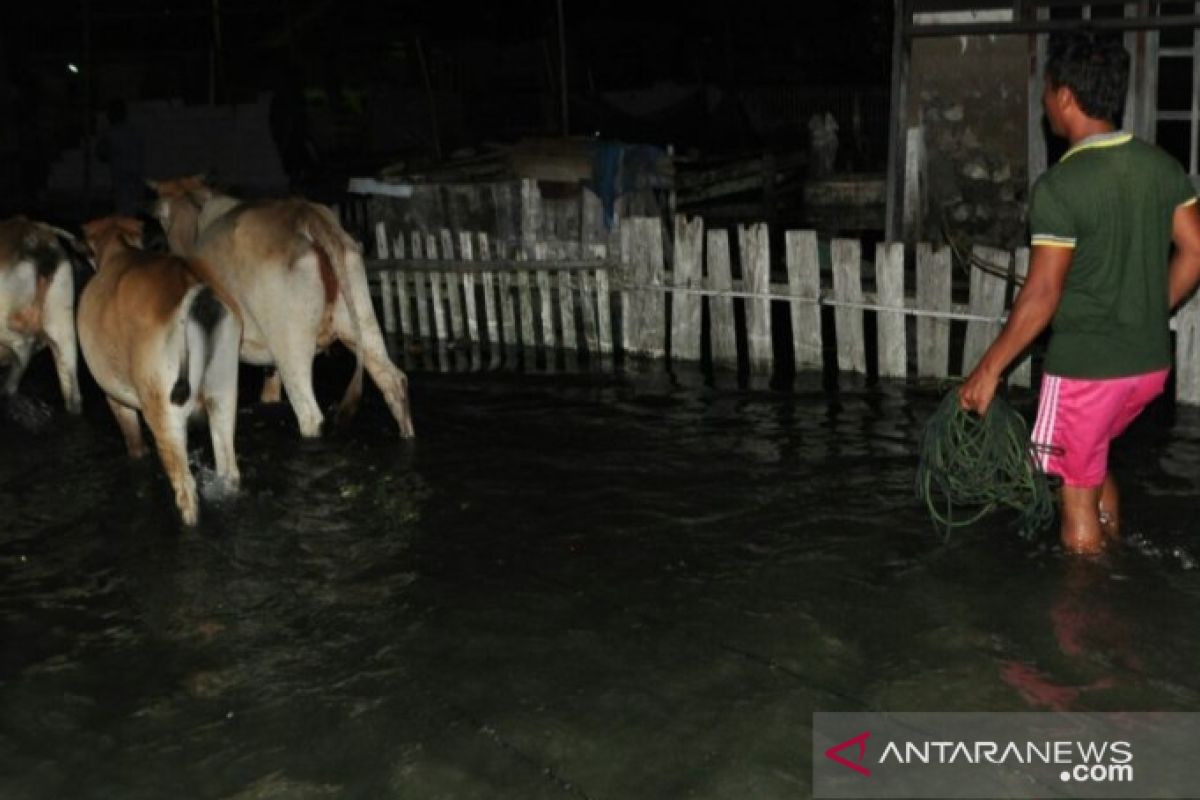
[231, 142]
[971, 95]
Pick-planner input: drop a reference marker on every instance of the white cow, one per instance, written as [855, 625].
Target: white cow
[37, 304]
[301, 283]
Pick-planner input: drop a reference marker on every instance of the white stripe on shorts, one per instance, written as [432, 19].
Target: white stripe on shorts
[1043, 430]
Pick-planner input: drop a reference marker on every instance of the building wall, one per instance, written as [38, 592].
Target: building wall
[971, 96]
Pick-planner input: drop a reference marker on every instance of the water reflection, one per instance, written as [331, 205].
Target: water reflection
[570, 585]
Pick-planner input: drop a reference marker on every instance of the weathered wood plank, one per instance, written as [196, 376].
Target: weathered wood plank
[508, 313]
[804, 282]
[686, 307]
[453, 292]
[754, 245]
[592, 230]
[891, 325]
[986, 299]
[644, 317]
[466, 248]
[491, 309]
[385, 301]
[531, 215]
[933, 294]
[566, 304]
[1023, 374]
[404, 307]
[722, 322]
[846, 255]
[604, 311]
[525, 310]
[435, 295]
[548, 300]
[588, 302]
[381, 240]
[1187, 352]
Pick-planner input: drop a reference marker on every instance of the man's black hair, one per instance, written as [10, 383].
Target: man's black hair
[1095, 68]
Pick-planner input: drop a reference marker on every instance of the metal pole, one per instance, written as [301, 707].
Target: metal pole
[214, 64]
[562, 61]
[433, 117]
[898, 121]
[87, 108]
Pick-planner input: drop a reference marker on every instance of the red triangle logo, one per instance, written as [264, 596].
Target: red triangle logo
[861, 741]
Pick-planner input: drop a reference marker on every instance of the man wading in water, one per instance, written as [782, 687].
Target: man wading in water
[1102, 222]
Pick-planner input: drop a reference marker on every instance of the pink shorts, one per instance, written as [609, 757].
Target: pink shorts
[1078, 417]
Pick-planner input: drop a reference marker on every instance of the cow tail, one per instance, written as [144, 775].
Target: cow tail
[182, 390]
[332, 244]
[206, 305]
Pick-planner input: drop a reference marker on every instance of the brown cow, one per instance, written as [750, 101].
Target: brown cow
[160, 335]
[37, 304]
[301, 283]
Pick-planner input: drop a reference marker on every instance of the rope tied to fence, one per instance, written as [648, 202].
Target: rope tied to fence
[971, 466]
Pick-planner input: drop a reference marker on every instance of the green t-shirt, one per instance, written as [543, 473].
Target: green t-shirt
[1112, 199]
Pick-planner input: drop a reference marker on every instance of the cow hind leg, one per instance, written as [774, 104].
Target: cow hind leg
[392, 382]
[59, 329]
[169, 427]
[291, 331]
[220, 398]
[65, 364]
[22, 352]
[131, 428]
[295, 371]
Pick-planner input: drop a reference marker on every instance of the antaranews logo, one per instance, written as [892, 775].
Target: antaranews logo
[969, 755]
[861, 741]
[1085, 761]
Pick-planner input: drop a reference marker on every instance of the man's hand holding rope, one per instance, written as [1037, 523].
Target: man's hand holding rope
[1031, 313]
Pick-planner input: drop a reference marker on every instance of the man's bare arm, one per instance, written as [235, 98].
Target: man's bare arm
[1031, 313]
[1185, 264]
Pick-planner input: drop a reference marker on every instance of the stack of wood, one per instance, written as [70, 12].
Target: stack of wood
[541, 159]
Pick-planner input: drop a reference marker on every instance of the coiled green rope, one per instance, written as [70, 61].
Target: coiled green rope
[974, 465]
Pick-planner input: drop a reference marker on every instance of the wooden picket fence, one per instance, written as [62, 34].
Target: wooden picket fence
[459, 295]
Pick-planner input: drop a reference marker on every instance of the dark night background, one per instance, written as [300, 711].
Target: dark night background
[340, 70]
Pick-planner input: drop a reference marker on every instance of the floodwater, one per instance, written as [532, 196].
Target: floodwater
[570, 586]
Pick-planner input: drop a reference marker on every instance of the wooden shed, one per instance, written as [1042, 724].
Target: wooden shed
[966, 136]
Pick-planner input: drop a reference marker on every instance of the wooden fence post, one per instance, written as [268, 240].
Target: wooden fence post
[1187, 352]
[891, 325]
[458, 330]
[549, 341]
[604, 304]
[804, 284]
[847, 287]
[722, 322]
[436, 284]
[933, 294]
[754, 244]
[466, 248]
[1023, 374]
[986, 300]
[404, 310]
[491, 309]
[566, 306]
[686, 307]
[643, 318]
[419, 288]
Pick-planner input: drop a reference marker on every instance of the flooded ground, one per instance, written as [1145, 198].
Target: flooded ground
[577, 586]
